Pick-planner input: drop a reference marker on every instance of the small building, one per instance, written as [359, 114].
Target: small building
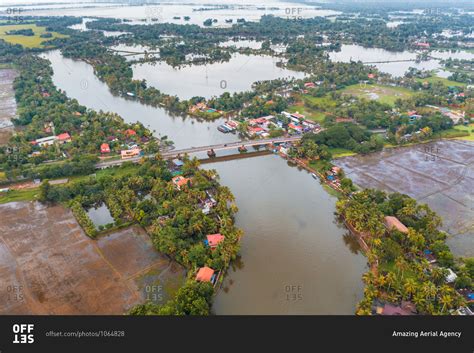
[130, 132]
[298, 116]
[309, 85]
[255, 130]
[64, 137]
[104, 148]
[126, 154]
[371, 76]
[179, 181]
[423, 45]
[45, 141]
[213, 240]
[394, 223]
[205, 274]
[177, 163]
[428, 255]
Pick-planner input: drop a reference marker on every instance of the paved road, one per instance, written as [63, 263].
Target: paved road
[219, 147]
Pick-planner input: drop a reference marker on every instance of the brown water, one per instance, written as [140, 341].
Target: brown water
[295, 259]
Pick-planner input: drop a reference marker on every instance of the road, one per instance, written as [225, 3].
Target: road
[219, 147]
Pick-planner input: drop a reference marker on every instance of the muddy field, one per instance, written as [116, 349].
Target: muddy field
[49, 266]
[440, 174]
[7, 104]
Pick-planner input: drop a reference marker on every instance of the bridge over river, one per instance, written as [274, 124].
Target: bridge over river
[131, 52]
[219, 147]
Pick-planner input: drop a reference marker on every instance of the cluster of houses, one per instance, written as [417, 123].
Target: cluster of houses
[204, 274]
[129, 150]
[380, 307]
[290, 123]
[457, 116]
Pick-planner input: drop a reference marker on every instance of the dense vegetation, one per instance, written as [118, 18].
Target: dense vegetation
[174, 219]
[399, 270]
[45, 111]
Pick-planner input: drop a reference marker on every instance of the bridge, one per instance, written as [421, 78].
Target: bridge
[130, 53]
[219, 147]
[388, 61]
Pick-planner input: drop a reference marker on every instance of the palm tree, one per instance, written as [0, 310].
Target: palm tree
[446, 300]
[419, 300]
[410, 287]
[429, 290]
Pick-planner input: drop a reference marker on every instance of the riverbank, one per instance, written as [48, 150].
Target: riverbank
[7, 104]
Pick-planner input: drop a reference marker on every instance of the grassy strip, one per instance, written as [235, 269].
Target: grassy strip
[444, 81]
[386, 94]
[27, 41]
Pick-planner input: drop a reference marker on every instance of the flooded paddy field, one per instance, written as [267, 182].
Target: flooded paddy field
[7, 104]
[440, 174]
[49, 266]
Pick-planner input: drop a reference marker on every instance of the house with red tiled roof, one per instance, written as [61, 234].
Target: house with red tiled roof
[255, 130]
[64, 137]
[105, 148]
[295, 127]
[213, 240]
[394, 223]
[180, 181]
[205, 274]
[423, 45]
[130, 132]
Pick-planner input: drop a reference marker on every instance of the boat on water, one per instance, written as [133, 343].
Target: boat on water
[223, 128]
[228, 126]
[314, 175]
[211, 153]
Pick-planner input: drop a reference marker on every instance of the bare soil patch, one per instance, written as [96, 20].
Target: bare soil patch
[49, 266]
[439, 173]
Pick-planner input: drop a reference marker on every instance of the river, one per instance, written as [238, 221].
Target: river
[174, 12]
[357, 52]
[78, 80]
[295, 259]
[235, 75]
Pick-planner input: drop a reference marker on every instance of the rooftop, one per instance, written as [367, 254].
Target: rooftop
[393, 222]
[205, 274]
